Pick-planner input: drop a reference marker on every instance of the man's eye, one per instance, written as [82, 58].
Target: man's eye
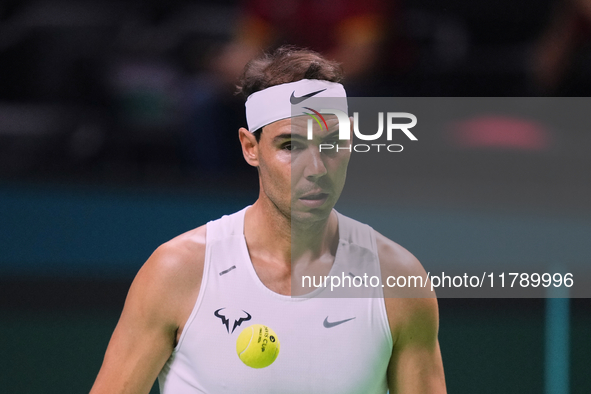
[336, 141]
[290, 146]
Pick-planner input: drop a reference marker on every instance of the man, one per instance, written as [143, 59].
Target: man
[197, 292]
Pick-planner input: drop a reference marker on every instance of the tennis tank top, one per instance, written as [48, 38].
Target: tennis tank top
[327, 344]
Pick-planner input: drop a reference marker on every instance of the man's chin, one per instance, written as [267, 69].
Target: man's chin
[303, 213]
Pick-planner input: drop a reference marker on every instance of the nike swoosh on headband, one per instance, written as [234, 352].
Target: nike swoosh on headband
[274, 103]
[328, 324]
[296, 100]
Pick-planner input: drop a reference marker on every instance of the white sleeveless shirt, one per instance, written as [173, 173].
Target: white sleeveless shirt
[316, 355]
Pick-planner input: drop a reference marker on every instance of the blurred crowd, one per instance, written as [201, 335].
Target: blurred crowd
[144, 90]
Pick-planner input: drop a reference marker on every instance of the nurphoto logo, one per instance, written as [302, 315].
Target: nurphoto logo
[345, 125]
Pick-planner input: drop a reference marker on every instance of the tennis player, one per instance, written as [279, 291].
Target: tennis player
[197, 292]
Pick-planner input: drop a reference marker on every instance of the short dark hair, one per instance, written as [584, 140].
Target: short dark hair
[257, 133]
[287, 64]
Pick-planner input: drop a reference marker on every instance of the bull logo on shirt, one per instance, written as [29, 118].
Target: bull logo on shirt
[227, 315]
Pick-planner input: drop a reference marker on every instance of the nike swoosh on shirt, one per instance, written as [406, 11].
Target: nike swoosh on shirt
[296, 100]
[328, 324]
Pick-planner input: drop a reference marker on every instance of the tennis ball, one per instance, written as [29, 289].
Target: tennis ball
[257, 346]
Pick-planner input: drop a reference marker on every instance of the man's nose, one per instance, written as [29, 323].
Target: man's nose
[314, 165]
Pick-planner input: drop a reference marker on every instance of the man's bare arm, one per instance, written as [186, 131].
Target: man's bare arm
[415, 365]
[158, 304]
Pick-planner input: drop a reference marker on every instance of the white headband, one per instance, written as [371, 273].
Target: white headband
[290, 99]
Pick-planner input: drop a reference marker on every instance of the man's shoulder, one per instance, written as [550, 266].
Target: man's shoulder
[185, 251]
[176, 265]
[394, 258]
[187, 242]
[401, 271]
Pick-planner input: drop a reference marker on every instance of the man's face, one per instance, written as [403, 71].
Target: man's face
[302, 181]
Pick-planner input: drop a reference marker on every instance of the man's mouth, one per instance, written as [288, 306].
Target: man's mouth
[316, 196]
[314, 200]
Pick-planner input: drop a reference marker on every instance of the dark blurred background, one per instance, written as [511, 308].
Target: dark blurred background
[118, 126]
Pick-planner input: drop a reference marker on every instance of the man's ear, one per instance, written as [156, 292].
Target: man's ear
[250, 147]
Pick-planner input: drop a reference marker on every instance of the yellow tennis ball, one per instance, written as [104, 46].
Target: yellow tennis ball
[257, 346]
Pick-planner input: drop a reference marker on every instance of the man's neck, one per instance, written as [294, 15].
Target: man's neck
[311, 240]
[285, 240]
